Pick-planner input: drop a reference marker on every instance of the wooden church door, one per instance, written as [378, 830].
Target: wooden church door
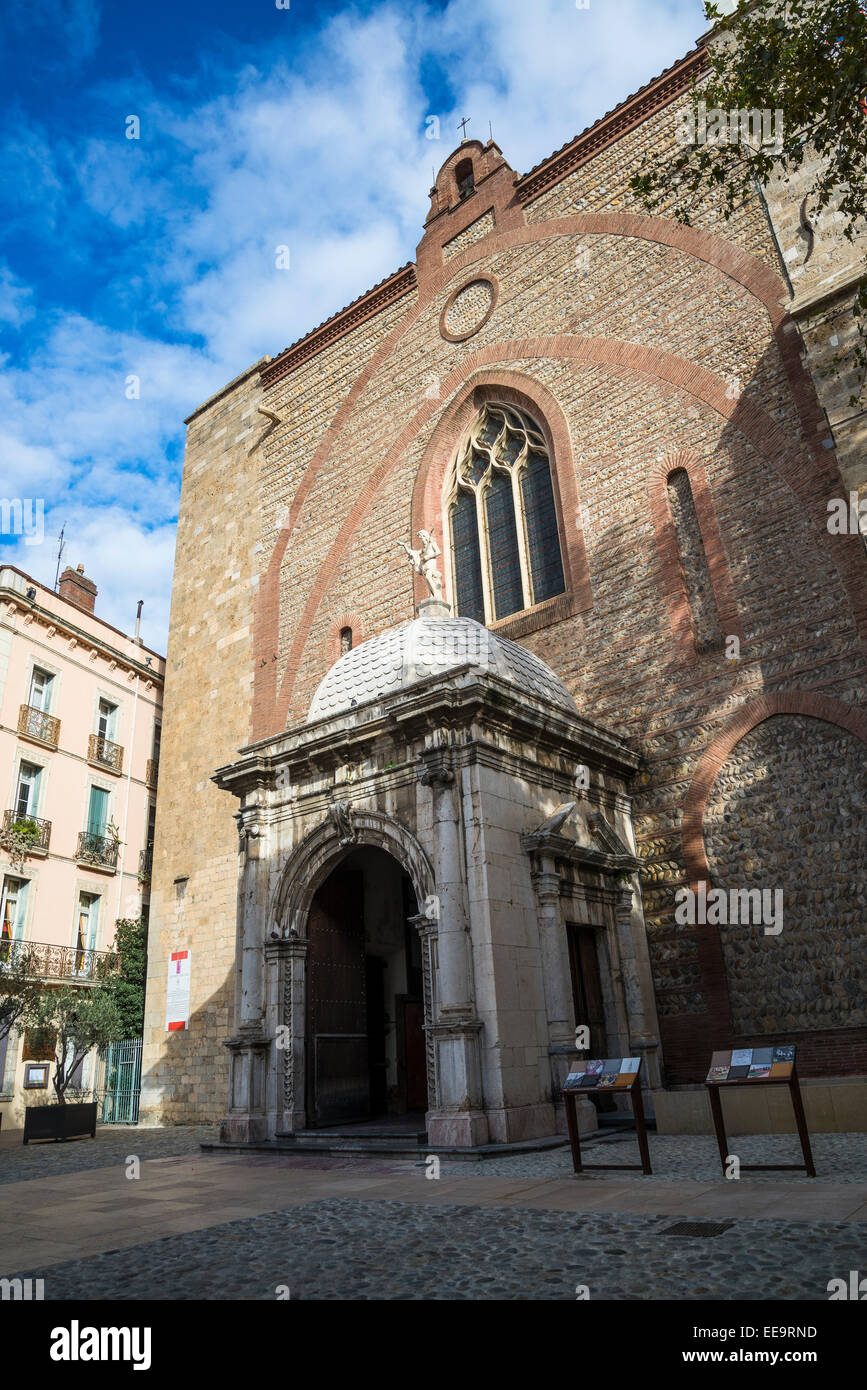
[338, 1073]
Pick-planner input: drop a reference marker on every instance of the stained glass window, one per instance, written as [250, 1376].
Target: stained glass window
[540, 515]
[506, 584]
[470, 601]
[505, 539]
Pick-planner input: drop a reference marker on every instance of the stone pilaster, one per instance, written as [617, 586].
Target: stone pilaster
[558, 995]
[459, 1117]
[247, 1115]
[427, 929]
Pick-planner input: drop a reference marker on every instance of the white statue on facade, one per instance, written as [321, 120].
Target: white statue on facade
[424, 563]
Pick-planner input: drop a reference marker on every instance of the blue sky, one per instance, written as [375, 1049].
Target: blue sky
[260, 127]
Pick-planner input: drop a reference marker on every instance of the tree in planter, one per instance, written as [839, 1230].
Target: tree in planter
[804, 58]
[70, 1022]
[123, 975]
[19, 989]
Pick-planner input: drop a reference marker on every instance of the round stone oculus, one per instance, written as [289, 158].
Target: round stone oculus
[468, 309]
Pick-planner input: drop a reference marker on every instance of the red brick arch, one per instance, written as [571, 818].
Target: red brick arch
[521, 390]
[745, 719]
[746, 270]
[812, 481]
[355, 623]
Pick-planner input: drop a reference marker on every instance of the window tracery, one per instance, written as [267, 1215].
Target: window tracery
[505, 542]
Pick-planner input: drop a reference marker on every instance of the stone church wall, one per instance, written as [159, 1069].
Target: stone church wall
[787, 809]
[205, 720]
[664, 348]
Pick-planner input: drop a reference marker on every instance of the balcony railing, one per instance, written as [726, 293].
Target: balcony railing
[29, 834]
[46, 961]
[146, 864]
[107, 754]
[152, 771]
[97, 850]
[35, 723]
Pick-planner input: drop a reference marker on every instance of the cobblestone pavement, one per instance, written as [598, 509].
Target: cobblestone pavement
[355, 1250]
[113, 1143]
[837, 1158]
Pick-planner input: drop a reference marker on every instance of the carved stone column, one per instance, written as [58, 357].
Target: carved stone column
[459, 1119]
[253, 911]
[286, 960]
[427, 930]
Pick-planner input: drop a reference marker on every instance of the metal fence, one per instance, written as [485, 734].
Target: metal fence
[119, 1084]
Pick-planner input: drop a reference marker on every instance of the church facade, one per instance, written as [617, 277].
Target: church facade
[419, 822]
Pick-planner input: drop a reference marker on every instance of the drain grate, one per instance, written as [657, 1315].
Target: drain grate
[697, 1228]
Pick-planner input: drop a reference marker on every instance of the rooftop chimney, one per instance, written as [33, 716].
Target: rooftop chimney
[77, 588]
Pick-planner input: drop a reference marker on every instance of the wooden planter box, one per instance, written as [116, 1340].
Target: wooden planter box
[60, 1121]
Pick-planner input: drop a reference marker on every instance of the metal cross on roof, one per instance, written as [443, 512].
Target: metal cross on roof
[462, 125]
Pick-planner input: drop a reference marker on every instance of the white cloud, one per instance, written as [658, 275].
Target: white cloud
[321, 147]
[15, 299]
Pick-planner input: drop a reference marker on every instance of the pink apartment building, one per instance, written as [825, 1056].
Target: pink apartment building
[80, 712]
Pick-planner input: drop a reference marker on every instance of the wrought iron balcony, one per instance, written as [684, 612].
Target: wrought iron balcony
[36, 724]
[44, 960]
[97, 850]
[28, 834]
[146, 864]
[152, 771]
[107, 754]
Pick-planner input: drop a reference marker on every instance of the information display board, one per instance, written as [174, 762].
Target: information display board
[753, 1064]
[746, 1066]
[178, 992]
[612, 1074]
[602, 1076]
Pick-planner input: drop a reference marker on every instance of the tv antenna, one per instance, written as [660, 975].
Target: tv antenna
[61, 545]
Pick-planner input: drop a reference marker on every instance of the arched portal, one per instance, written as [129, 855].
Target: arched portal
[364, 1024]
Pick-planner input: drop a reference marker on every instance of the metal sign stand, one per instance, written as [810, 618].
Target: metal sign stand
[633, 1090]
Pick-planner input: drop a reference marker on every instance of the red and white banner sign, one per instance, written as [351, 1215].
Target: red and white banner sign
[178, 992]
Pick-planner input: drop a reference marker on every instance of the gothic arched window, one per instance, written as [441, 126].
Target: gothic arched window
[505, 544]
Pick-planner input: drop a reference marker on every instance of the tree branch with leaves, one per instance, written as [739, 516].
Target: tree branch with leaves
[806, 59]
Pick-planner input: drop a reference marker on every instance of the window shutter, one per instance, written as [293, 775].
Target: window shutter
[98, 817]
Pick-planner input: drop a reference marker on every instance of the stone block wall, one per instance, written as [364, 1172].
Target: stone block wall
[642, 346]
[206, 720]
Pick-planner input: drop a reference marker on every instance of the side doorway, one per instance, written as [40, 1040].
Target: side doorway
[587, 984]
[338, 1074]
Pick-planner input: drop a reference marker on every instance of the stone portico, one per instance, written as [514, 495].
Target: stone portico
[463, 758]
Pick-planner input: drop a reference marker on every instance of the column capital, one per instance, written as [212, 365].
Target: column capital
[424, 925]
[283, 947]
[434, 768]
